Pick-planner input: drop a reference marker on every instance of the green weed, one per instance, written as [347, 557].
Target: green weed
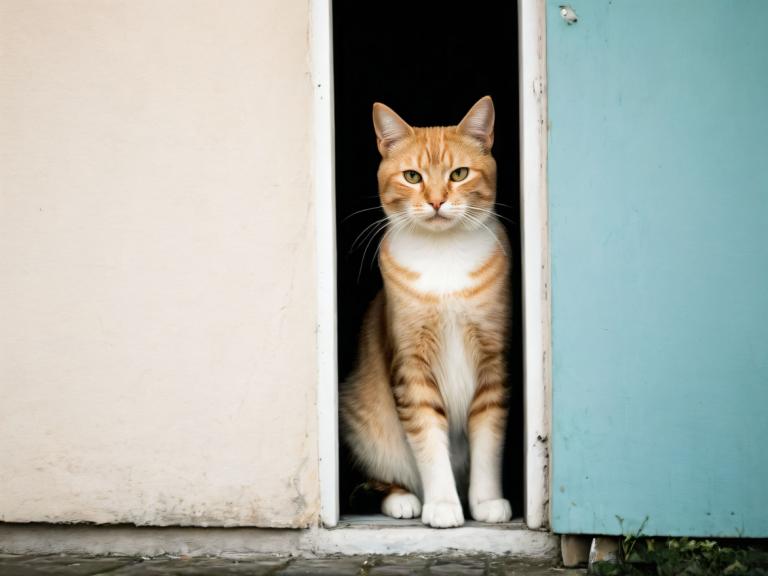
[685, 557]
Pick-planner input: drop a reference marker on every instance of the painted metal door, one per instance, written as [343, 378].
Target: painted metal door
[658, 183]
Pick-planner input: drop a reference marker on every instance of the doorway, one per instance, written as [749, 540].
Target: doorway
[430, 66]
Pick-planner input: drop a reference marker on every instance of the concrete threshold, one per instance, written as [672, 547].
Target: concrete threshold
[353, 536]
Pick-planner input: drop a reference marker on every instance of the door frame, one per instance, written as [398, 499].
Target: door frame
[535, 260]
[323, 181]
[534, 128]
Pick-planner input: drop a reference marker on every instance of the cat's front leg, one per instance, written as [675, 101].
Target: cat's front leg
[487, 424]
[442, 507]
[422, 413]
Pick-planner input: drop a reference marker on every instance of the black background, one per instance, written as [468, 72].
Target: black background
[430, 62]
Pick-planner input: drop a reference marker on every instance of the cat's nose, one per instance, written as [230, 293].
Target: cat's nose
[436, 204]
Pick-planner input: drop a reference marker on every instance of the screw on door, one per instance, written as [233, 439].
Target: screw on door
[568, 14]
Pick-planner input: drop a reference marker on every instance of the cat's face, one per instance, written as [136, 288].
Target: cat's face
[439, 178]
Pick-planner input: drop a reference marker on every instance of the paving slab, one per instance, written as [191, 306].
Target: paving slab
[399, 565]
[471, 566]
[258, 566]
[416, 565]
[30, 565]
[341, 565]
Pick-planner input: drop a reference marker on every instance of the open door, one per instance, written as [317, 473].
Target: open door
[430, 65]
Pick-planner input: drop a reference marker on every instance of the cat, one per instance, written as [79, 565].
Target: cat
[424, 411]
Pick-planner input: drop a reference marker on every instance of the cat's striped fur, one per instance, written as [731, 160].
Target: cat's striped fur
[425, 410]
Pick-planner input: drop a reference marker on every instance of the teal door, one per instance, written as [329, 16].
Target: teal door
[658, 183]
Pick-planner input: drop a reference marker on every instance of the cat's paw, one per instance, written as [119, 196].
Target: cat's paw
[494, 511]
[401, 505]
[442, 514]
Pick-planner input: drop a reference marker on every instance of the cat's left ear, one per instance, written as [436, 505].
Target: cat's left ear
[478, 123]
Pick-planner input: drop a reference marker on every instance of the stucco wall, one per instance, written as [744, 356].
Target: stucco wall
[157, 308]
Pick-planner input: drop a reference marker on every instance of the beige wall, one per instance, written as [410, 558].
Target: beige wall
[157, 306]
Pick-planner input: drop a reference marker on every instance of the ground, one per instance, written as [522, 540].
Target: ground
[67, 565]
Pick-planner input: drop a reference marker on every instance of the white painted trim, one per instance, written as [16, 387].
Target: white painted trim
[381, 537]
[321, 53]
[535, 233]
[238, 542]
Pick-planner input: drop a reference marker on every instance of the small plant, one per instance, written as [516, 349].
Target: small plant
[685, 557]
[629, 542]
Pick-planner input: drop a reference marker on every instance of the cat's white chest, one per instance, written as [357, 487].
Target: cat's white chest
[444, 265]
[444, 262]
[454, 369]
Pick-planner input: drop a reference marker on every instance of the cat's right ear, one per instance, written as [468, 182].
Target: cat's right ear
[390, 128]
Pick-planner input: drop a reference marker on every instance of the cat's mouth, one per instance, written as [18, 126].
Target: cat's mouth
[439, 222]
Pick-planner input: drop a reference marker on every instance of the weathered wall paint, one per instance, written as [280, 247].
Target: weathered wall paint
[659, 246]
[157, 288]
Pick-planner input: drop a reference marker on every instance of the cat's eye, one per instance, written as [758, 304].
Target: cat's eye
[459, 174]
[412, 176]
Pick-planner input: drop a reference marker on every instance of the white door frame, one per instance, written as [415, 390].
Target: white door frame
[321, 53]
[535, 261]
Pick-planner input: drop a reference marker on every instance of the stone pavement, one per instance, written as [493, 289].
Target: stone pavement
[67, 565]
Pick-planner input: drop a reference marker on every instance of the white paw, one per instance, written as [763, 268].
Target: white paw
[401, 505]
[442, 514]
[492, 511]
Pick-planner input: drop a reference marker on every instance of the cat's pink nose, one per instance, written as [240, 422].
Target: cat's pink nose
[436, 204]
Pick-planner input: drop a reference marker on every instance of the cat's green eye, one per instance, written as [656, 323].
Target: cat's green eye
[459, 174]
[412, 176]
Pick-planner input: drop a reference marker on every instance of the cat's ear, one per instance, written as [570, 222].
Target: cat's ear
[478, 123]
[390, 128]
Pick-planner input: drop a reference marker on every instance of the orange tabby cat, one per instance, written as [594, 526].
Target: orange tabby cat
[426, 404]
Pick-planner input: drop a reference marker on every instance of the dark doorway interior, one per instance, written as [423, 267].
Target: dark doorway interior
[429, 62]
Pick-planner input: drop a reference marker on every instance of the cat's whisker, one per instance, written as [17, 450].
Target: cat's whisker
[394, 225]
[480, 223]
[482, 211]
[491, 212]
[389, 220]
[356, 212]
[394, 230]
[465, 221]
[506, 205]
[366, 231]
[362, 260]
[381, 228]
[370, 229]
